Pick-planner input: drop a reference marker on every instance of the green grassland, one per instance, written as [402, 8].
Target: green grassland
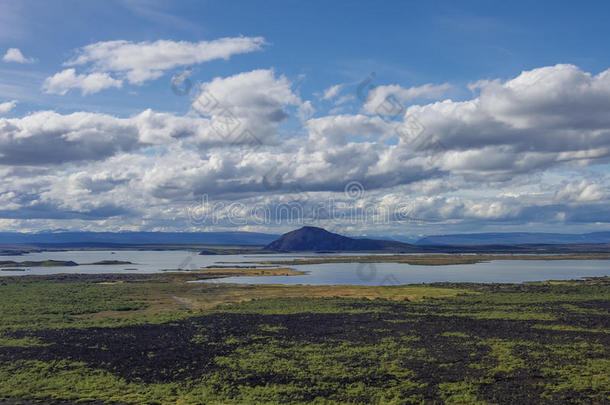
[156, 339]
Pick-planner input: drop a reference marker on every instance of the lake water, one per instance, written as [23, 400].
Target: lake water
[143, 261]
[501, 271]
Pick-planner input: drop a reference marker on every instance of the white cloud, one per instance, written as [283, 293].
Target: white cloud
[332, 91]
[547, 117]
[496, 148]
[46, 138]
[7, 106]
[15, 55]
[344, 99]
[305, 111]
[252, 101]
[138, 62]
[338, 129]
[582, 191]
[379, 95]
[62, 82]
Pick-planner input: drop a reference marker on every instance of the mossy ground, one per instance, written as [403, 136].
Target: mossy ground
[128, 339]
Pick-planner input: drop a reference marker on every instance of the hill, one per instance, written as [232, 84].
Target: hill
[309, 239]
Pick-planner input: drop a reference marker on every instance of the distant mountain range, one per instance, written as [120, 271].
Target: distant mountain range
[138, 238]
[307, 238]
[514, 238]
[312, 239]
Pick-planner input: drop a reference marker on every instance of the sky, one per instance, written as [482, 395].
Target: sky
[395, 118]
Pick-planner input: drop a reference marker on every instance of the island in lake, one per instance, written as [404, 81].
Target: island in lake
[58, 263]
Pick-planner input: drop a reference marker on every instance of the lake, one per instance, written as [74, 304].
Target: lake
[501, 271]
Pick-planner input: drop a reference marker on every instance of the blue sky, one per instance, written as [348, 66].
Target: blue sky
[515, 92]
[404, 42]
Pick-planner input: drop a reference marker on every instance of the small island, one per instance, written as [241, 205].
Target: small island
[106, 263]
[56, 263]
[222, 272]
[44, 263]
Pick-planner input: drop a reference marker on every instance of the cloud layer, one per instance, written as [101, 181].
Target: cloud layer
[529, 150]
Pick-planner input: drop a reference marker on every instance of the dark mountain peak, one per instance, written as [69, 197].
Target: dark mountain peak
[311, 238]
[311, 230]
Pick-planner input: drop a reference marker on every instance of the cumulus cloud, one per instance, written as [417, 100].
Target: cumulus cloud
[15, 55]
[248, 109]
[306, 111]
[7, 106]
[138, 62]
[543, 118]
[50, 138]
[495, 148]
[46, 137]
[337, 129]
[62, 82]
[583, 190]
[378, 96]
[253, 101]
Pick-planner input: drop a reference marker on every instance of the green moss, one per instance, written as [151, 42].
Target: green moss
[42, 304]
[591, 376]
[21, 342]
[494, 344]
[461, 392]
[455, 334]
[73, 381]
[271, 328]
[569, 328]
[502, 353]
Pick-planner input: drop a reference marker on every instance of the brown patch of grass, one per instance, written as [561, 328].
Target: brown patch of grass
[172, 294]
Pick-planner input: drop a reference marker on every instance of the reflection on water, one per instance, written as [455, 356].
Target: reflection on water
[502, 271]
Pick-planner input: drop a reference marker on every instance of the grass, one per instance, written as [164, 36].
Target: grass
[156, 339]
[108, 300]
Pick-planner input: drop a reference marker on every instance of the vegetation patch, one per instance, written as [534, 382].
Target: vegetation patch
[75, 339]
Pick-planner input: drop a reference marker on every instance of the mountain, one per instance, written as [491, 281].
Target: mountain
[310, 238]
[305, 239]
[513, 238]
[138, 238]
